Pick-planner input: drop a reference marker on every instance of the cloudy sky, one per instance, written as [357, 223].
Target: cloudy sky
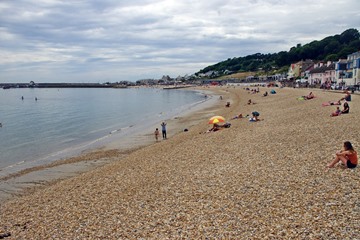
[114, 40]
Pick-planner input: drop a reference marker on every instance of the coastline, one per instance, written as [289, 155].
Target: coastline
[252, 180]
[107, 150]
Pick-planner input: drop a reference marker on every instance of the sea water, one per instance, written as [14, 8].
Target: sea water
[42, 125]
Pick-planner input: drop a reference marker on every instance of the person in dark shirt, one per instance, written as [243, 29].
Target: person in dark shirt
[346, 108]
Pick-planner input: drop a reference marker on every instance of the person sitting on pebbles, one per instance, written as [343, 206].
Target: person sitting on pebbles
[347, 97]
[336, 113]
[348, 156]
[250, 102]
[254, 117]
[346, 108]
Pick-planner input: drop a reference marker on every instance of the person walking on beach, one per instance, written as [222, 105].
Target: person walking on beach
[163, 129]
[348, 156]
[157, 134]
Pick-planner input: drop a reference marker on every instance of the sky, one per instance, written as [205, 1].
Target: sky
[116, 40]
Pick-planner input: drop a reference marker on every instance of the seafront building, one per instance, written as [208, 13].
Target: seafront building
[344, 72]
[322, 73]
[348, 70]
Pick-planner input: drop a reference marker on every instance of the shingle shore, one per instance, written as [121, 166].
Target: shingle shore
[263, 180]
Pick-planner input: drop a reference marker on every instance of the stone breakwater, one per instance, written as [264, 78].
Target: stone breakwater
[254, 180]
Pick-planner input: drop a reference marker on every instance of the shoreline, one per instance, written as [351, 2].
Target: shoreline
[252, 180]
[28, 180]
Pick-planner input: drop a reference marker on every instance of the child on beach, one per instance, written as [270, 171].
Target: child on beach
[348, 156]
[336, 113]
[157, 133]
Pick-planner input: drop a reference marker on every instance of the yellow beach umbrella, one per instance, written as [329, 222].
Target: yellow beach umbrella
[216, 119]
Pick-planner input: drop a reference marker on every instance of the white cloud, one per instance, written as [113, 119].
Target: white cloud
[93, 40]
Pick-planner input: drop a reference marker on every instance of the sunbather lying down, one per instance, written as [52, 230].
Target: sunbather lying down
[330, 103]
[217, 127]
[310, 96]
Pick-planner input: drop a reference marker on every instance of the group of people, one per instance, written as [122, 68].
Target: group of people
[163, 131]
[346, 107]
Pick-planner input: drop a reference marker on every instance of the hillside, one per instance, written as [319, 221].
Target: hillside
[330, 48]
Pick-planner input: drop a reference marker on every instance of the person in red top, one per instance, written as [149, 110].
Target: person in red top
[348, 156]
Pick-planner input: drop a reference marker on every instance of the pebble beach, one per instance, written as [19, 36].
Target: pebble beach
[254, 180]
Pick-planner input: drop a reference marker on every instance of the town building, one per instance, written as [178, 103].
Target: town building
[322, 73]
[348, 70]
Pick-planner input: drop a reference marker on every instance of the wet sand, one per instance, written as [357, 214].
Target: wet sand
[258, 180]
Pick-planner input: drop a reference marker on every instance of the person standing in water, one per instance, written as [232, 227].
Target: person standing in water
[163, 129]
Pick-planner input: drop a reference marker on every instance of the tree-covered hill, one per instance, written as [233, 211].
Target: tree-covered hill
[330, 48]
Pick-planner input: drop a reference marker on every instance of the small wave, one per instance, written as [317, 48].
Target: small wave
[14, 165]
[120, 129]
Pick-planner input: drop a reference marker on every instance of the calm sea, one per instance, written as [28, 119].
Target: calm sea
[61, 120]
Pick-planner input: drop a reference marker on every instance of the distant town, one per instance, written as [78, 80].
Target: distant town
[342, 74]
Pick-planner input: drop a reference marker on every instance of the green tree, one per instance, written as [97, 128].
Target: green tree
[332, 47]
[349, 35]
[332, 57]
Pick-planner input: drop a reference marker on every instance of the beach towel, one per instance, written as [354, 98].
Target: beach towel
[300, 98]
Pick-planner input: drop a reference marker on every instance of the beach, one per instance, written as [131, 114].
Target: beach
[254, 180]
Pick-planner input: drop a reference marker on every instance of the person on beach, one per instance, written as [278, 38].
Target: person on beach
[215, 128]
[309, 96]
[254, 117]
[265, 94]
[157, 133]
[163, 130]
[335, 103]
[331, 103]
[227, 104]
[348, 156]
[347, 97]
[238, 116]
[250, 102]
[336, 113]
[346, 108]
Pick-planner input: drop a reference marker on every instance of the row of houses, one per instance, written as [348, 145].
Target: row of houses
[344, 72]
